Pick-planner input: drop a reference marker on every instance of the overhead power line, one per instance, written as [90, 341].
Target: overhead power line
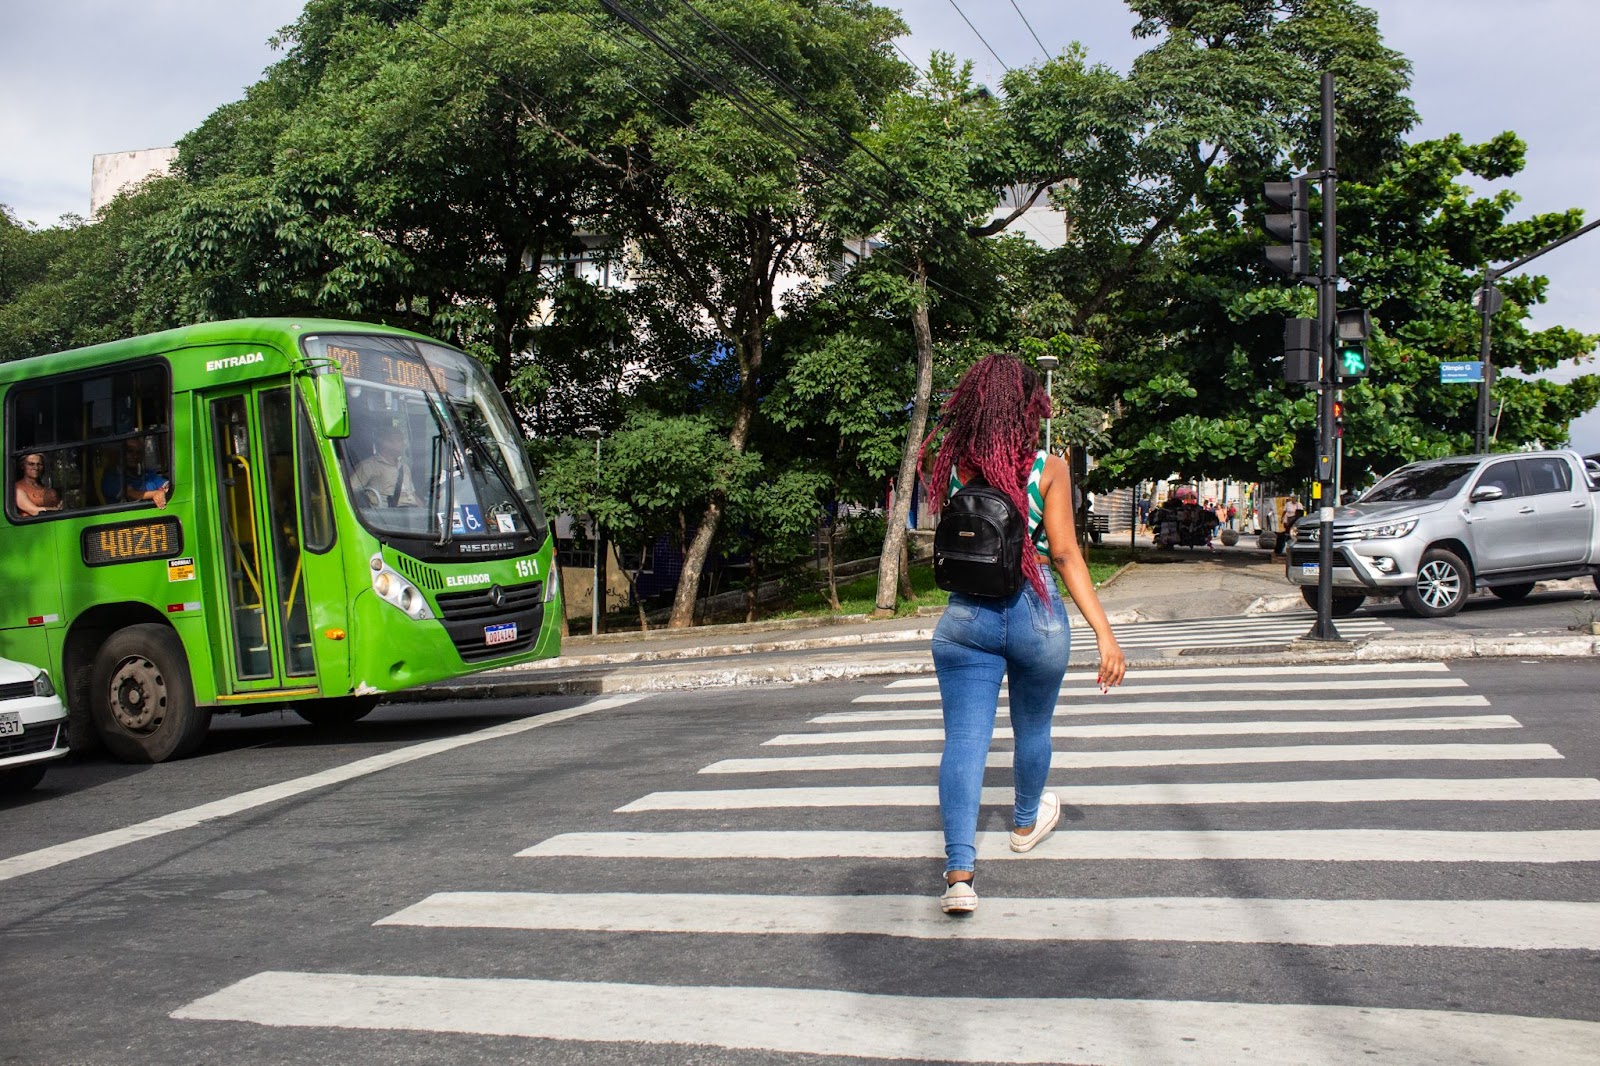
[979, 36]
[1028, 24]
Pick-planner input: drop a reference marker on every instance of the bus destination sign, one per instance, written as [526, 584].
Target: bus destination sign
[381, 367]
[131, 542]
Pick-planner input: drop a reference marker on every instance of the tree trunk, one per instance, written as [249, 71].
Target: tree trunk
[694, 560]
[894, 537]
[603, 548]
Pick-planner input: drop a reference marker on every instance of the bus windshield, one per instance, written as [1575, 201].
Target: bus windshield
[432, 449]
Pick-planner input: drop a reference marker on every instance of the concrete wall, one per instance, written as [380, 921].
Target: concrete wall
[115, 171]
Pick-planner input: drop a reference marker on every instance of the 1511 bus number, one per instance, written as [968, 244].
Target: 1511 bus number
[159, 538]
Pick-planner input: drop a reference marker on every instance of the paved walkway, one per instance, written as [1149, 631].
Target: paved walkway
[1183, 584]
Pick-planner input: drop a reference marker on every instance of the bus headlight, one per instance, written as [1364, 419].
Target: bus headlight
[397, 591]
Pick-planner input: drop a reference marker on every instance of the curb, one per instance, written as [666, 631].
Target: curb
[1384, 649]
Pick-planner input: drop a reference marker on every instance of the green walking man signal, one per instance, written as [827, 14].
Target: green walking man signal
[1353, 328]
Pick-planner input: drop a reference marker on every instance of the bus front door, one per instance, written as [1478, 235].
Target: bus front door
[270, 651]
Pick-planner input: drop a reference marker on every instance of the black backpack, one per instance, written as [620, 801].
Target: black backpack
[979, 541]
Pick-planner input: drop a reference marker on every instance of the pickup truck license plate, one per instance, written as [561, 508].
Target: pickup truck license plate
[10, 724]
[1310, 569]
[504, 633]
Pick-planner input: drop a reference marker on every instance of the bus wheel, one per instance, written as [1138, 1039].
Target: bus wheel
[338, 711]
[141, 696]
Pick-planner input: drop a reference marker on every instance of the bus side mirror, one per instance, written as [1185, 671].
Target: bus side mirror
[332, 406]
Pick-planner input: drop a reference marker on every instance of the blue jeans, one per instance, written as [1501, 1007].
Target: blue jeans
[976, 642]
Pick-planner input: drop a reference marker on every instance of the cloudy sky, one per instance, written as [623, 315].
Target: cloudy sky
[80, 77]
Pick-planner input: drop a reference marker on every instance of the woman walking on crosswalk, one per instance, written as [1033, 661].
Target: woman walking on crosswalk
[990, 429]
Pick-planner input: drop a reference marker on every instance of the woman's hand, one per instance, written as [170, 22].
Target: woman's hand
[1113, 666]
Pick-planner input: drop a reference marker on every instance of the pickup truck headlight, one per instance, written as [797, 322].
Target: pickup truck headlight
[1387, 531]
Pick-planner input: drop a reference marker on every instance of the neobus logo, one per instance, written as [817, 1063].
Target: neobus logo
[466, 579]
[232, 361]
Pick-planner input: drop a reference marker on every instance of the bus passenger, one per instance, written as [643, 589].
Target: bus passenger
[384, 479]
[131, 482]
[33, 497]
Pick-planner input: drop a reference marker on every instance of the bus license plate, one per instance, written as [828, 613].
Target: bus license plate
[1310, 569]
[504, 633]
[10, 724]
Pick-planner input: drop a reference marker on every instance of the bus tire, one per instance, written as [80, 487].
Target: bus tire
[141, 697]
[337, 711]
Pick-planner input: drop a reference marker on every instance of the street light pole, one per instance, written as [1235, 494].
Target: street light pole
[1049, 363]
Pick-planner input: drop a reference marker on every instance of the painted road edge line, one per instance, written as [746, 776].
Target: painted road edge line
[57, 854]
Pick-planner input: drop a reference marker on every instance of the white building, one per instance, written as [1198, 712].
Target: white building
[114, 171]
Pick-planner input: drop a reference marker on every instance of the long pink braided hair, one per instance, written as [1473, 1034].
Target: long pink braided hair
[991, 425]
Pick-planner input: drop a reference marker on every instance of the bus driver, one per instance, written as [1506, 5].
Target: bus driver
[384, 479]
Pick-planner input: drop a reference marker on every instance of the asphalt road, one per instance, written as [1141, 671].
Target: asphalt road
[254, 936]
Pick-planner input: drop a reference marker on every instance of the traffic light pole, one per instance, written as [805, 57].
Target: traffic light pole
[1328, 380]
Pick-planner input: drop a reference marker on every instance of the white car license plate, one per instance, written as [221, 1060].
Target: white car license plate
[504, 633]
[1310, 569]
[10, 724]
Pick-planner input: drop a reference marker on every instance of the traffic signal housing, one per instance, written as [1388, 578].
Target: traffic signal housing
[1354, 327]
[1338, 418]
[1292, 224]
[1300, 351]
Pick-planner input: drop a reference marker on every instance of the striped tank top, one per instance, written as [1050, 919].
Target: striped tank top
[1035, 499]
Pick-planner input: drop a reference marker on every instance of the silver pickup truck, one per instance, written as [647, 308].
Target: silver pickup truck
[1434, 531]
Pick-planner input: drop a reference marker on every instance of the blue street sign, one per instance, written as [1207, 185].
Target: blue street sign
[1453, 373]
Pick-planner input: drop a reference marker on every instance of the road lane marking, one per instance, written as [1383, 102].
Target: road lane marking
[1339, 790]
[1135, 689]
[45, 858]
[1245, 703]
[914, 1028]
[1277, 753]
[1166, 729]
[1294, 845]
[1512, 925]
[1239, 675]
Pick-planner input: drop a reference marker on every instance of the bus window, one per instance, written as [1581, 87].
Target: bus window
[316, 510]
[98, 434]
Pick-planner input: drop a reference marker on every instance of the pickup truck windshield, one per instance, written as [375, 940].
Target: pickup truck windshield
[1438, 481]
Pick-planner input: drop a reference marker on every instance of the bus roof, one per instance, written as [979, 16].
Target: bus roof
[282, 333]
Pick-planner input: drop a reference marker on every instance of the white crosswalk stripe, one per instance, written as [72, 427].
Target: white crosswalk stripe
[831, 820]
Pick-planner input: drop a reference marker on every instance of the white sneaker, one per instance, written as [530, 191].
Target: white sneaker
[1049, 815]
[959, 898]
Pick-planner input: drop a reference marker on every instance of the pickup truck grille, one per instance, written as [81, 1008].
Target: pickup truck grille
[1309, 533]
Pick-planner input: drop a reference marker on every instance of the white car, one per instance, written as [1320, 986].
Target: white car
[33, 725]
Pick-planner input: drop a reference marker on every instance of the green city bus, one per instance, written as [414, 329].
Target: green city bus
[242, 516]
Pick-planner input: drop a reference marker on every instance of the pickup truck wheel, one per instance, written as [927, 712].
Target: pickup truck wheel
[1512, 593]
[1441, 587]
[1345, 604]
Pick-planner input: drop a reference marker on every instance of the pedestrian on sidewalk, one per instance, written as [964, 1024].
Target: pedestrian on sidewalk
[991, 430]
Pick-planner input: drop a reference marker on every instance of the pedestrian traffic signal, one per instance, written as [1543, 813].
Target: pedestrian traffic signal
[1350, 354]
[1300, 351]
[1292, 224]
[1338, 418]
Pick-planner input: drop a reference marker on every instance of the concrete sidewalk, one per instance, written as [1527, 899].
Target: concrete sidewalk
[1238, 581]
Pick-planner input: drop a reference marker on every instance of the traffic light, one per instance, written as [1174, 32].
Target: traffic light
[1350, 352]
[1338, 418]
[1292, 223]
[1300, 351]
